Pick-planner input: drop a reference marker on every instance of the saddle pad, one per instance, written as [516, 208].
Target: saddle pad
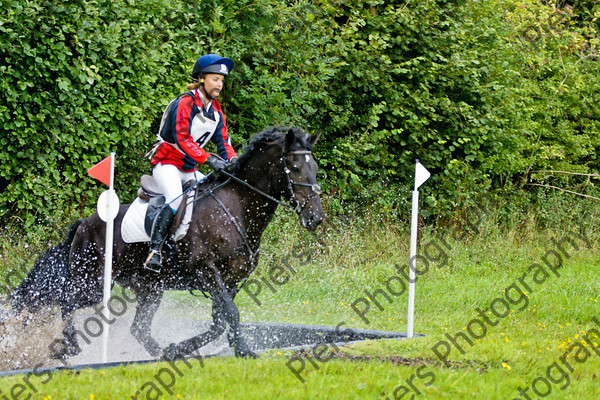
[132, 227]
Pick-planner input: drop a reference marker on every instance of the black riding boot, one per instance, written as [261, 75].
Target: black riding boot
[160, 230]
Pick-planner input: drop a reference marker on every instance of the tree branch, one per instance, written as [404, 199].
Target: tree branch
[565, 172]
[564, 190]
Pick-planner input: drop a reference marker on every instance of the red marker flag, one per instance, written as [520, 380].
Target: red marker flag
[102, 171]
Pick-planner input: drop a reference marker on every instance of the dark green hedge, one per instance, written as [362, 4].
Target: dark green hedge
[484, 94]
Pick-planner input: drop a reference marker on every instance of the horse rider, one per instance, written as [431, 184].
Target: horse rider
[189, 122]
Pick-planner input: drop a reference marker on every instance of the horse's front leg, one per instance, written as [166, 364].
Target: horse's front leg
[224, 311]
[231, 315]
[69, 346]
[188, 346]
[148, 303]
[234, 335]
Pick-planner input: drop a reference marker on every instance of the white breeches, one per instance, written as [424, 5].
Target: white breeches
[169, 179]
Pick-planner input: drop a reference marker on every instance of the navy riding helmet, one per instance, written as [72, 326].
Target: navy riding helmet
[212, 64]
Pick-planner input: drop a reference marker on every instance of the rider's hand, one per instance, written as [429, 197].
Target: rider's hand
[216, 163]
[232, 165]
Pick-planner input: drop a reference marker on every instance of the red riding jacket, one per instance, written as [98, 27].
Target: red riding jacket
[187, 127]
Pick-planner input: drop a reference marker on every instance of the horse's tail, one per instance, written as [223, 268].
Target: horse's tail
[46, 282]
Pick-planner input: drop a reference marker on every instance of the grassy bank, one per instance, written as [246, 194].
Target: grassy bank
[534, 293]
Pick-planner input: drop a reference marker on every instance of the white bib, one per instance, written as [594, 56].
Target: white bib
[203, 128]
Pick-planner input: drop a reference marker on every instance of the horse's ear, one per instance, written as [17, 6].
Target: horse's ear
[290, 137]
[312, 139]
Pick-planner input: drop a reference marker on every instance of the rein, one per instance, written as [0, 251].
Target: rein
[239, 228]
[290, 183]
[249, 186]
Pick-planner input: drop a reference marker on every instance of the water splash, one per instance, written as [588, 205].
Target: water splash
[25, 339]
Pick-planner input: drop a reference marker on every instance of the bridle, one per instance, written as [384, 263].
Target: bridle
[316, 189]
[296, 206]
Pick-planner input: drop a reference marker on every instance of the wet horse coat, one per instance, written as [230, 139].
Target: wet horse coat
[218, 253]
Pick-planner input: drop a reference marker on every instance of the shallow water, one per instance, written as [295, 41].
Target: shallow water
[122, 346]
[26, 341]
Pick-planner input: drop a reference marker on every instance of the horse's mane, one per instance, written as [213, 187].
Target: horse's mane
[274, 134]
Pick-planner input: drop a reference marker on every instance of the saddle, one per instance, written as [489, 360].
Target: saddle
[137, 223]
[148, 188]
[150, 192]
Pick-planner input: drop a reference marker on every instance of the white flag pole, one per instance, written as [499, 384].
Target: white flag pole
[421, 175]
[108, 256]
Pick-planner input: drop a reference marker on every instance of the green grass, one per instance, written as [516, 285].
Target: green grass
[334, 268]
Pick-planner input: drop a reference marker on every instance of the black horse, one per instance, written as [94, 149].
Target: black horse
[218, 253]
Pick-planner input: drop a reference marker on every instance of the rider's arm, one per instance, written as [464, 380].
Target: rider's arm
[221, 139]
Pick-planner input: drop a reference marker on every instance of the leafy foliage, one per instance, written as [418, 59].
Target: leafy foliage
[483, 93]
[76, 79]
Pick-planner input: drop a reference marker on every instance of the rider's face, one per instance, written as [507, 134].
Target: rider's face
[213, 84]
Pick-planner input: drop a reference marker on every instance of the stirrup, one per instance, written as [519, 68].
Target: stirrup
[153, 267]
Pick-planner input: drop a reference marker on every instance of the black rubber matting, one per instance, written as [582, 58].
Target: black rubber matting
[263, 336]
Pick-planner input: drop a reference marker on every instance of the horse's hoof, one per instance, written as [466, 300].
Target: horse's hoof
[151, 346]
[246, 353]
[171, 353]
[154, 351]
[58, 355]
[65, 352]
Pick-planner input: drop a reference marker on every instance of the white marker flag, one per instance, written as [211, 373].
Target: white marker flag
[421, 175]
